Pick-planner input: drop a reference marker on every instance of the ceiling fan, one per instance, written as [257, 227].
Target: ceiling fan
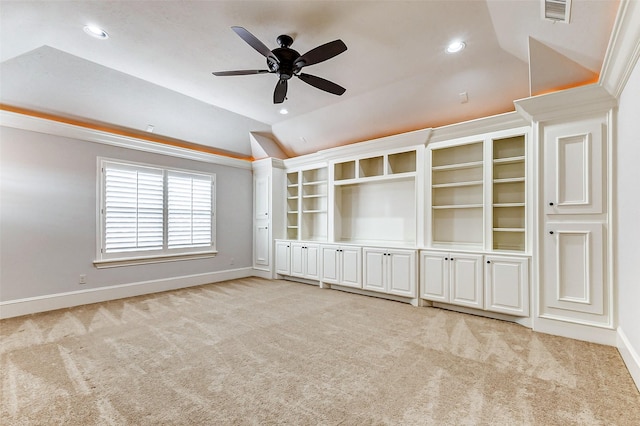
[287, 63]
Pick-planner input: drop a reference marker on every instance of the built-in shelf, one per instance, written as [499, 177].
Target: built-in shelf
[509, 194]
[459, 206]
[457, 184]
[457, 195]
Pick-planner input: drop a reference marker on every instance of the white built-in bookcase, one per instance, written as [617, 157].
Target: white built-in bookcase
[477, 193]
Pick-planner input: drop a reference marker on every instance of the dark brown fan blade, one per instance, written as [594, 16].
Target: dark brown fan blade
[254, 42]
[322, 84]
[281, 91]
[321, 53]
[239, 72]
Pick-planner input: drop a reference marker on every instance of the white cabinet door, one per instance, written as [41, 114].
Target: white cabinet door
[312, 261]
[574, 260]
[507, 285]
[305, 260]
[434, 272]
[401, 272]
[297, 259]
[330, 264]
[373, 269]
[452, 278]
[283, 257]
[261, 196]
[351, 267]
[389, 271]
[573, 167]
[262, 244]
[466, 280]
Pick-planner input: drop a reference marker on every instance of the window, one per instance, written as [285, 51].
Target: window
[153, 214]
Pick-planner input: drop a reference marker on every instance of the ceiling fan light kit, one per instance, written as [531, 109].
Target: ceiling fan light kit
[287, 63]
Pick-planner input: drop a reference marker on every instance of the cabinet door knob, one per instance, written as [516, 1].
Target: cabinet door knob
[488, 261]
[452, 258]
[551, 232]
[551, 203]
[446, 258]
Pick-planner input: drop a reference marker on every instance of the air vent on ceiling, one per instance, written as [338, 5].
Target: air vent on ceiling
[556, 10]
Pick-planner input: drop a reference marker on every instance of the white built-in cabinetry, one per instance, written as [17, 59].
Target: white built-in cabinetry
[341, 265]
[267, 213]
[391, 271]
[575, 285]
[283, 257]
[506, 284]
[507, 216]
[305, 260]
[307, 205]
[454, 278]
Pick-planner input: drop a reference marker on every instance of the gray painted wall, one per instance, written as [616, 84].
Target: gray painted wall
[48, 212]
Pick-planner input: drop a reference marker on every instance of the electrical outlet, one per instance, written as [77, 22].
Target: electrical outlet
[83, 279]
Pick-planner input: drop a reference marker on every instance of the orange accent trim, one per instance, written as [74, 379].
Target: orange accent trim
[124, 132]
[593, 80]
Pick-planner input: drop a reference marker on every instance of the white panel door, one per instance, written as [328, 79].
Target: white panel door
[261, 196]
[401, 265]
[283, 257]
[373, 269]
[330, 264]
[574, 267]
[262, 244]
[434, 272]
[351, 267]
[573, 168]
[466, 280]
[297, 259]
[311, 255]
[507, 285]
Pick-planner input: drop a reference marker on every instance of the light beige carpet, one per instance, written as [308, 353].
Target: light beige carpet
[253, 351]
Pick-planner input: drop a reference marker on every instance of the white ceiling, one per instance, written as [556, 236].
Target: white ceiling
[156, 66]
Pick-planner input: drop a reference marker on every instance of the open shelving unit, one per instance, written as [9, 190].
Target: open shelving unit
[509, 194]
[380, 167]
[375, 199]
[313, 204]
[293, 206]
[457, 194]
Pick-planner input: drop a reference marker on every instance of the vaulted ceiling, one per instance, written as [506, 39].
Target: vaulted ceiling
[156, 66]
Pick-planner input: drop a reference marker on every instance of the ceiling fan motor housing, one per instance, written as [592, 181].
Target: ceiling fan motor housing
[286, 57]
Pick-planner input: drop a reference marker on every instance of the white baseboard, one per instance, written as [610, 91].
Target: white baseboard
[587, 333]
[262, 274]
[630, 356]
[32, 305]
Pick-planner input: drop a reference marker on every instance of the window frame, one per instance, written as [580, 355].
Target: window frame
[165, 254]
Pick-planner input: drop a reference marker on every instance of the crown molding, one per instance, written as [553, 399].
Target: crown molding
[57, 128]
[565, 104]
[494, 123]
[623, 50]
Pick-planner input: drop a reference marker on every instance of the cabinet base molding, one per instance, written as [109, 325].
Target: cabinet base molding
[630, 356]
[526, 322]
[587, 333]
[411, 301]
[299, 280]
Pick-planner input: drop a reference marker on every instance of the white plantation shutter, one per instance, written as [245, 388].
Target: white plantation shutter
[148, 211]
[133, 208]
[189, 202]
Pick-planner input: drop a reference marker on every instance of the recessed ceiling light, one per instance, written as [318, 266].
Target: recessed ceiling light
[456, 46]
[96, 32]
[284, 111]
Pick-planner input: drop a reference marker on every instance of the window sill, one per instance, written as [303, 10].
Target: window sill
[132, 261]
